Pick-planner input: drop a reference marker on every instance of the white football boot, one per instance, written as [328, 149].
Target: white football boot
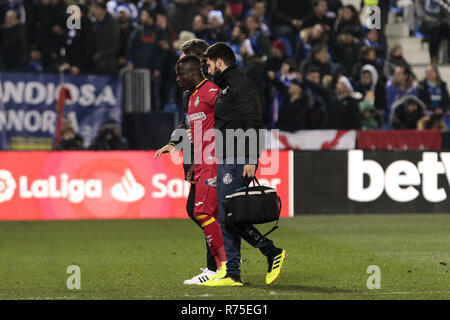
[202, 277]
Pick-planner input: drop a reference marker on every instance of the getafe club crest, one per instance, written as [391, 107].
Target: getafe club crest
[227, 178]
[197, 101]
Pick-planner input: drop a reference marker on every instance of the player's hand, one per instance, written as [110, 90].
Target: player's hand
[166, 148]
[249, 171]
[190, 175]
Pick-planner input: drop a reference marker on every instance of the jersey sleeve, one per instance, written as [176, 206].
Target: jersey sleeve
[214, 94]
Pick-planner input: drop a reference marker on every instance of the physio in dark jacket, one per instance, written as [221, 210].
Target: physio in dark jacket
[237, 107]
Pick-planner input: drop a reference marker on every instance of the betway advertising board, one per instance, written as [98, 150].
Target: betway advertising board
[110, 185]
[359, 181]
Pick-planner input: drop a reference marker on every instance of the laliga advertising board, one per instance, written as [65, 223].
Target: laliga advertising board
[110, 185]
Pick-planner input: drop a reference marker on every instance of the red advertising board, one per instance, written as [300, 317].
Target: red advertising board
[110, 185]
[400, 140]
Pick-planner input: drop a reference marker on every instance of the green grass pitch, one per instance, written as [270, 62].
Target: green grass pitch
[328, 257]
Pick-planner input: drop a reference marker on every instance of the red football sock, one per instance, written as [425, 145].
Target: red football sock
[220, 257]
[213, 234]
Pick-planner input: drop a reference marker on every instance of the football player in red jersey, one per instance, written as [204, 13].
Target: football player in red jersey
[201, 118]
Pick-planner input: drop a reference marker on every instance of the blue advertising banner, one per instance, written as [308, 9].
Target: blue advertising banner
[28, 113]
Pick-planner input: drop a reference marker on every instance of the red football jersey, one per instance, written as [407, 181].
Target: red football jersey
[201, 108]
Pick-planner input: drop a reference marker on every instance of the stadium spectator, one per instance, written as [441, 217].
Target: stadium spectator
[347, 46]
[334, 6]
[371, 84]
[349, 18]
[409, 13]
[368, 116]
[113, 7]
[13, 48]
[371, 39]
[184, 37]
[106, 34]
[287, 16]
[399, 85]
[315, 35]
[166, 27]
[126, 29]
[294, 110]
[236, 8]
[256, 69]
[318, 58]
[200, 26]
[258, 9]
[240, 43]
[406, 113]
[433, 91]
[260, 42]
[152, 5]
[108, 137]
[181, 13]
[367, 56]
[228, 19]
[69, 139]
[394, 60]
[145, 51]
[434, 24]
[35, 60]
[320, 98]
[207, 6]
[344, 113]
[215, 31]
[278, 55]
[434, 122]
[318, 16]
[51, 36]
[79, 45]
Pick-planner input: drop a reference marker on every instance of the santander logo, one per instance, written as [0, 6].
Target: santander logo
[7, 185]
[128, 190]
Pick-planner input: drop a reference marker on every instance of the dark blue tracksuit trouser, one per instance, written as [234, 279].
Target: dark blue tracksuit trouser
[229, 178]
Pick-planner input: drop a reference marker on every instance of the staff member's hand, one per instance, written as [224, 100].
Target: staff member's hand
[166, 148]
[249, 171]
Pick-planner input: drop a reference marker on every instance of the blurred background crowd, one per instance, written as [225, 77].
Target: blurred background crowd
[317, 66]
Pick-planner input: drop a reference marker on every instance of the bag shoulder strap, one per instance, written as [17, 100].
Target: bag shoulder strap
[275, 227]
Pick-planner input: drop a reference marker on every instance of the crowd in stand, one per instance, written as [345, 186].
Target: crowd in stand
[315, 64]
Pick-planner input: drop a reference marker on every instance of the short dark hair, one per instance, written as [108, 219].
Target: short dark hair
[315, 3]
[150, 12]
[243, 28]
[365, 51]
[257, 1]
[101, 4]
[196, 47]
[312, 69]
[191, 60]
[317, 48]
[223, 51]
